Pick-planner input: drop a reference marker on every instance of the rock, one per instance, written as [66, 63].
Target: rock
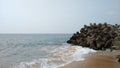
[118, 58]
[97, 36]
[115, 47]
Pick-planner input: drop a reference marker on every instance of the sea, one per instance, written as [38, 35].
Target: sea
[39, 51]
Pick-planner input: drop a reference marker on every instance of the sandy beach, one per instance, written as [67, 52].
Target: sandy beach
[97, 60]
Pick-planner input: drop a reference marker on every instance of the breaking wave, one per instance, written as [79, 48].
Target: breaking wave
[59, 56]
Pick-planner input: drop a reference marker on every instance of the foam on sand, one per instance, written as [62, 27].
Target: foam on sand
[60, 56]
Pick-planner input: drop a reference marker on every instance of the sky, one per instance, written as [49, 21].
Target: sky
[55, 16]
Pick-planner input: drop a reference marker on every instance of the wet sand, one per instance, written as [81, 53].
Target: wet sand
[97, 60]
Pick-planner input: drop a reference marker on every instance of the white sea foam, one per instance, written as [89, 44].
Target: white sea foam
[61, 56]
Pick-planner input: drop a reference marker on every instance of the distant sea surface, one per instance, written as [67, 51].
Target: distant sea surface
[38, 51]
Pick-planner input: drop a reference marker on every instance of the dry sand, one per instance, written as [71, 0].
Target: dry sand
[97, 60]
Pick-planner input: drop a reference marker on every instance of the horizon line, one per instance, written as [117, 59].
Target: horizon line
[36, 33]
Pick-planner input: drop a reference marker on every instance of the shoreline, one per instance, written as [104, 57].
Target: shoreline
[100, 59]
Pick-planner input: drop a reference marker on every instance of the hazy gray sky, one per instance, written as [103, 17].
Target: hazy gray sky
[55, 16]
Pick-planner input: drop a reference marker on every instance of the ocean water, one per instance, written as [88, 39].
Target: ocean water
[38, 51]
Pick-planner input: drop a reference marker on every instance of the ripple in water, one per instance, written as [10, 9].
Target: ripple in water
[38, 51]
